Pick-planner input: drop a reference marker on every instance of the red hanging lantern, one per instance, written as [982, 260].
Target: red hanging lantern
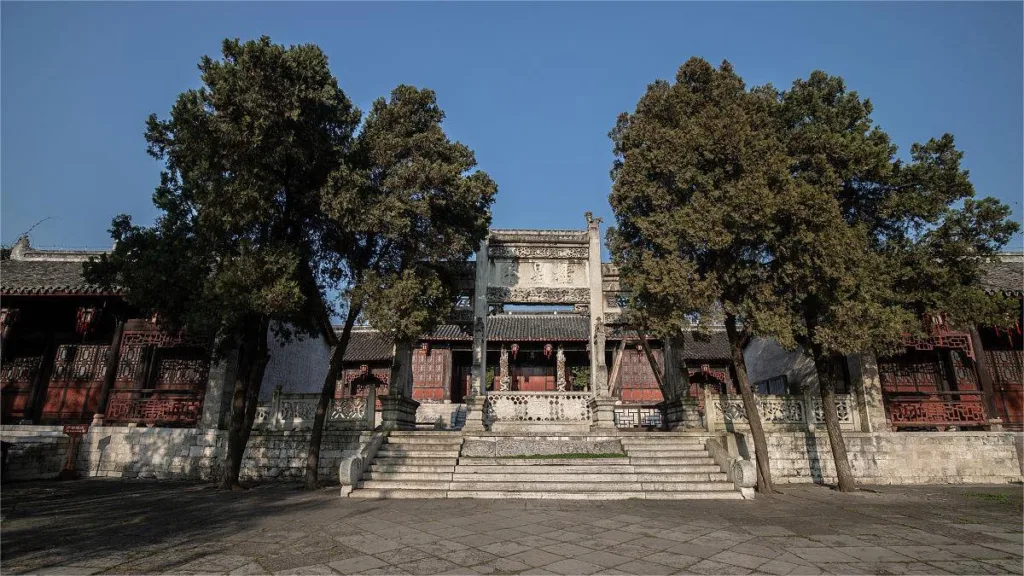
[515, 350]
[547, 351]
[639, 350]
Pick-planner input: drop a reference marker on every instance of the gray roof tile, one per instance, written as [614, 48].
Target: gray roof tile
[45, 277]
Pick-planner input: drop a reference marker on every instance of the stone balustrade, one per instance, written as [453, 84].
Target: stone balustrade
[780, 412]
[297, 411]
[544, 409]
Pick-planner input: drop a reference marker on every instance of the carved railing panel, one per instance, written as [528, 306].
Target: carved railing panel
[537, 407]
[939, 410]
[638, 417]
[779, 411]
[128, 406]
[294, 411]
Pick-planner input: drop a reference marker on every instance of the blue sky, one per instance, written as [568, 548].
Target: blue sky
[532, 88]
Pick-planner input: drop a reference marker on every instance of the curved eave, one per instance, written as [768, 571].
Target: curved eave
[60, 291]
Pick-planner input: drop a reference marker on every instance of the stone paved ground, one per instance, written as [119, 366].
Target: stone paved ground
[117, 527]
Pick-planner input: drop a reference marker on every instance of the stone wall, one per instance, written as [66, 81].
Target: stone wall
[898, 457]
[36, 452]
[178, 453]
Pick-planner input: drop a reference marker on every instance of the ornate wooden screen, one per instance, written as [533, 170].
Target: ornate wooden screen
[161, 377]
[357, 381]
[931, 388]
[1004, 359]
[637, 384]
[429, 370]
[16, 377]
[73, 394]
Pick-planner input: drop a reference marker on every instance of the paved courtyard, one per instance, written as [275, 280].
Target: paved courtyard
[116, 527]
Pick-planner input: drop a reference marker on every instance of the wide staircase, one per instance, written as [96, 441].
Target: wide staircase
[654, 466]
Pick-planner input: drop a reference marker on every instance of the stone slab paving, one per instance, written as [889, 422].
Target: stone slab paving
[138, 527]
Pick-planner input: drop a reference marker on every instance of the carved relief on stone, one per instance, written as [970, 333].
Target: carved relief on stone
[560, 252]
[503, 368]
[560, 369]
[538, 295]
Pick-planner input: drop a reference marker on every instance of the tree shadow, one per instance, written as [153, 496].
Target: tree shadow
[158, 524]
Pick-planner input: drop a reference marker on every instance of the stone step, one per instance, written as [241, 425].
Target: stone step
[403, 484]
[543, 461]
[424, 443]
[685, 469]
[539, 475]
[672, 461]
[388, 452]
[373, 493]
[425, 434]
[690, 440]
[400, 460]
[682, 477]
[392, 468]
[404, 476]
[712, 495]
[536, 486]
[676, 453]
[545, 495]
[571, 469]
[686, 486]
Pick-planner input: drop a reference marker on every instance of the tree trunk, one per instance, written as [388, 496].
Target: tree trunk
[249, 364]
[827, 389]
[326, 394]
[736, 341]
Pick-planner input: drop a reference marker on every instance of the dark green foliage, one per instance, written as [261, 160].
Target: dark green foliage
[239, 247]
[246, 157]
[411, 210]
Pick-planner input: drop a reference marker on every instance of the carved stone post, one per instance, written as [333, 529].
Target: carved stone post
[503, 367]
[867, 387]
[478, 388]
[398, 406]
[560, 369]
[603, 404]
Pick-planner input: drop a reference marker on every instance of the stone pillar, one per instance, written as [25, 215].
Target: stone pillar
[603, 405]
[478, 388]
[399, 409]
[598, 369]
[560, 369]
[868, 390]
[506, 380]
[219, 387]
[672, 408]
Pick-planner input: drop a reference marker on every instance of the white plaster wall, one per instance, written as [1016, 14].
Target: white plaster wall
[298, 367]
[766, 359]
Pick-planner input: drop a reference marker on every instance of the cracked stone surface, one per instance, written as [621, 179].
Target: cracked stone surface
[148, 527]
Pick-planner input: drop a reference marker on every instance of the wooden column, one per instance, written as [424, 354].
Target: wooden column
[109, 372]
[984, 376]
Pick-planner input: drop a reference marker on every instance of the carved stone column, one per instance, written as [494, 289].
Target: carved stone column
[398, 407]
[478, 388]
[603, 405]
[560, 369]
[503, 367]
[867, 387]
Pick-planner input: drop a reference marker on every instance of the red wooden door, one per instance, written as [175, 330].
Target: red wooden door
[533, 378]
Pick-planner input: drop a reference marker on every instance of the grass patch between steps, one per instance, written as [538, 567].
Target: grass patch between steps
[567, 456]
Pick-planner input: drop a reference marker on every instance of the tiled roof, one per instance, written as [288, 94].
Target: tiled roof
[367, 346]
[45, 277]
[1006, 277]
[714, 346]
[522, 328]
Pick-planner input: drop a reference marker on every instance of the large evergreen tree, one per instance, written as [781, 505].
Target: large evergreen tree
[871, 245]
[698, 178]
[237, 247]
[406, 213]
